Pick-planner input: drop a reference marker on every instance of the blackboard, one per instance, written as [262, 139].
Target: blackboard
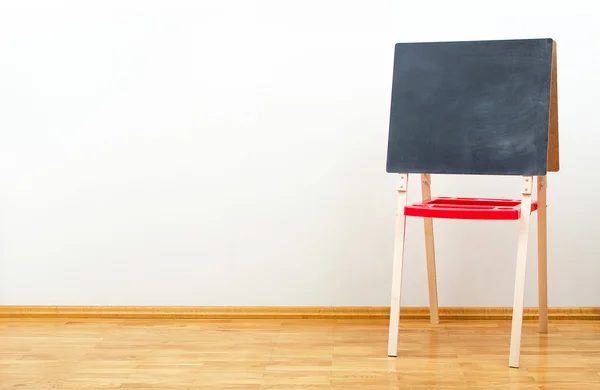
[471, 107]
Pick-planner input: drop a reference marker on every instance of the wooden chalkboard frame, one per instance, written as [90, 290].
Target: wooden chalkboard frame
[553, 154]
[527, 205]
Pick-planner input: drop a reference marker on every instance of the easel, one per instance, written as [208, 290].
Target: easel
[420, 83]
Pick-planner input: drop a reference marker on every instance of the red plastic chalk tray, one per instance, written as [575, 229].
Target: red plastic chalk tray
[468, 208]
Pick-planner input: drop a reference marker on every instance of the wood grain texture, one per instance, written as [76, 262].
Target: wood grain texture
[520, 273]
[542, 229]
[430, 252]
[399, 242]
[553, 154]
[292, 354]
[288, 312]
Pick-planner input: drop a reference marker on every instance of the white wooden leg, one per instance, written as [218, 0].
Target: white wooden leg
[542, 254]
[397, 267]
[430, 253]
[517, 318]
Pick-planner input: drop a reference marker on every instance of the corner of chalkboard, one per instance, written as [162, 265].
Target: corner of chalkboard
[388, 167]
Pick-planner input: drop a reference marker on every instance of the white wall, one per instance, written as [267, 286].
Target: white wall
[233, 153]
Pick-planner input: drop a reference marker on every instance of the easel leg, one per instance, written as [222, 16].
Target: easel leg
[430, 253]
[542, 255]
[517, 318]
[397, 268]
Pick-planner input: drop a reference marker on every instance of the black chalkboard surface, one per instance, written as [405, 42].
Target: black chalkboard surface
[471, 107]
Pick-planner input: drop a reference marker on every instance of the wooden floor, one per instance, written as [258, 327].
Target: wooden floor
[292, 354]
